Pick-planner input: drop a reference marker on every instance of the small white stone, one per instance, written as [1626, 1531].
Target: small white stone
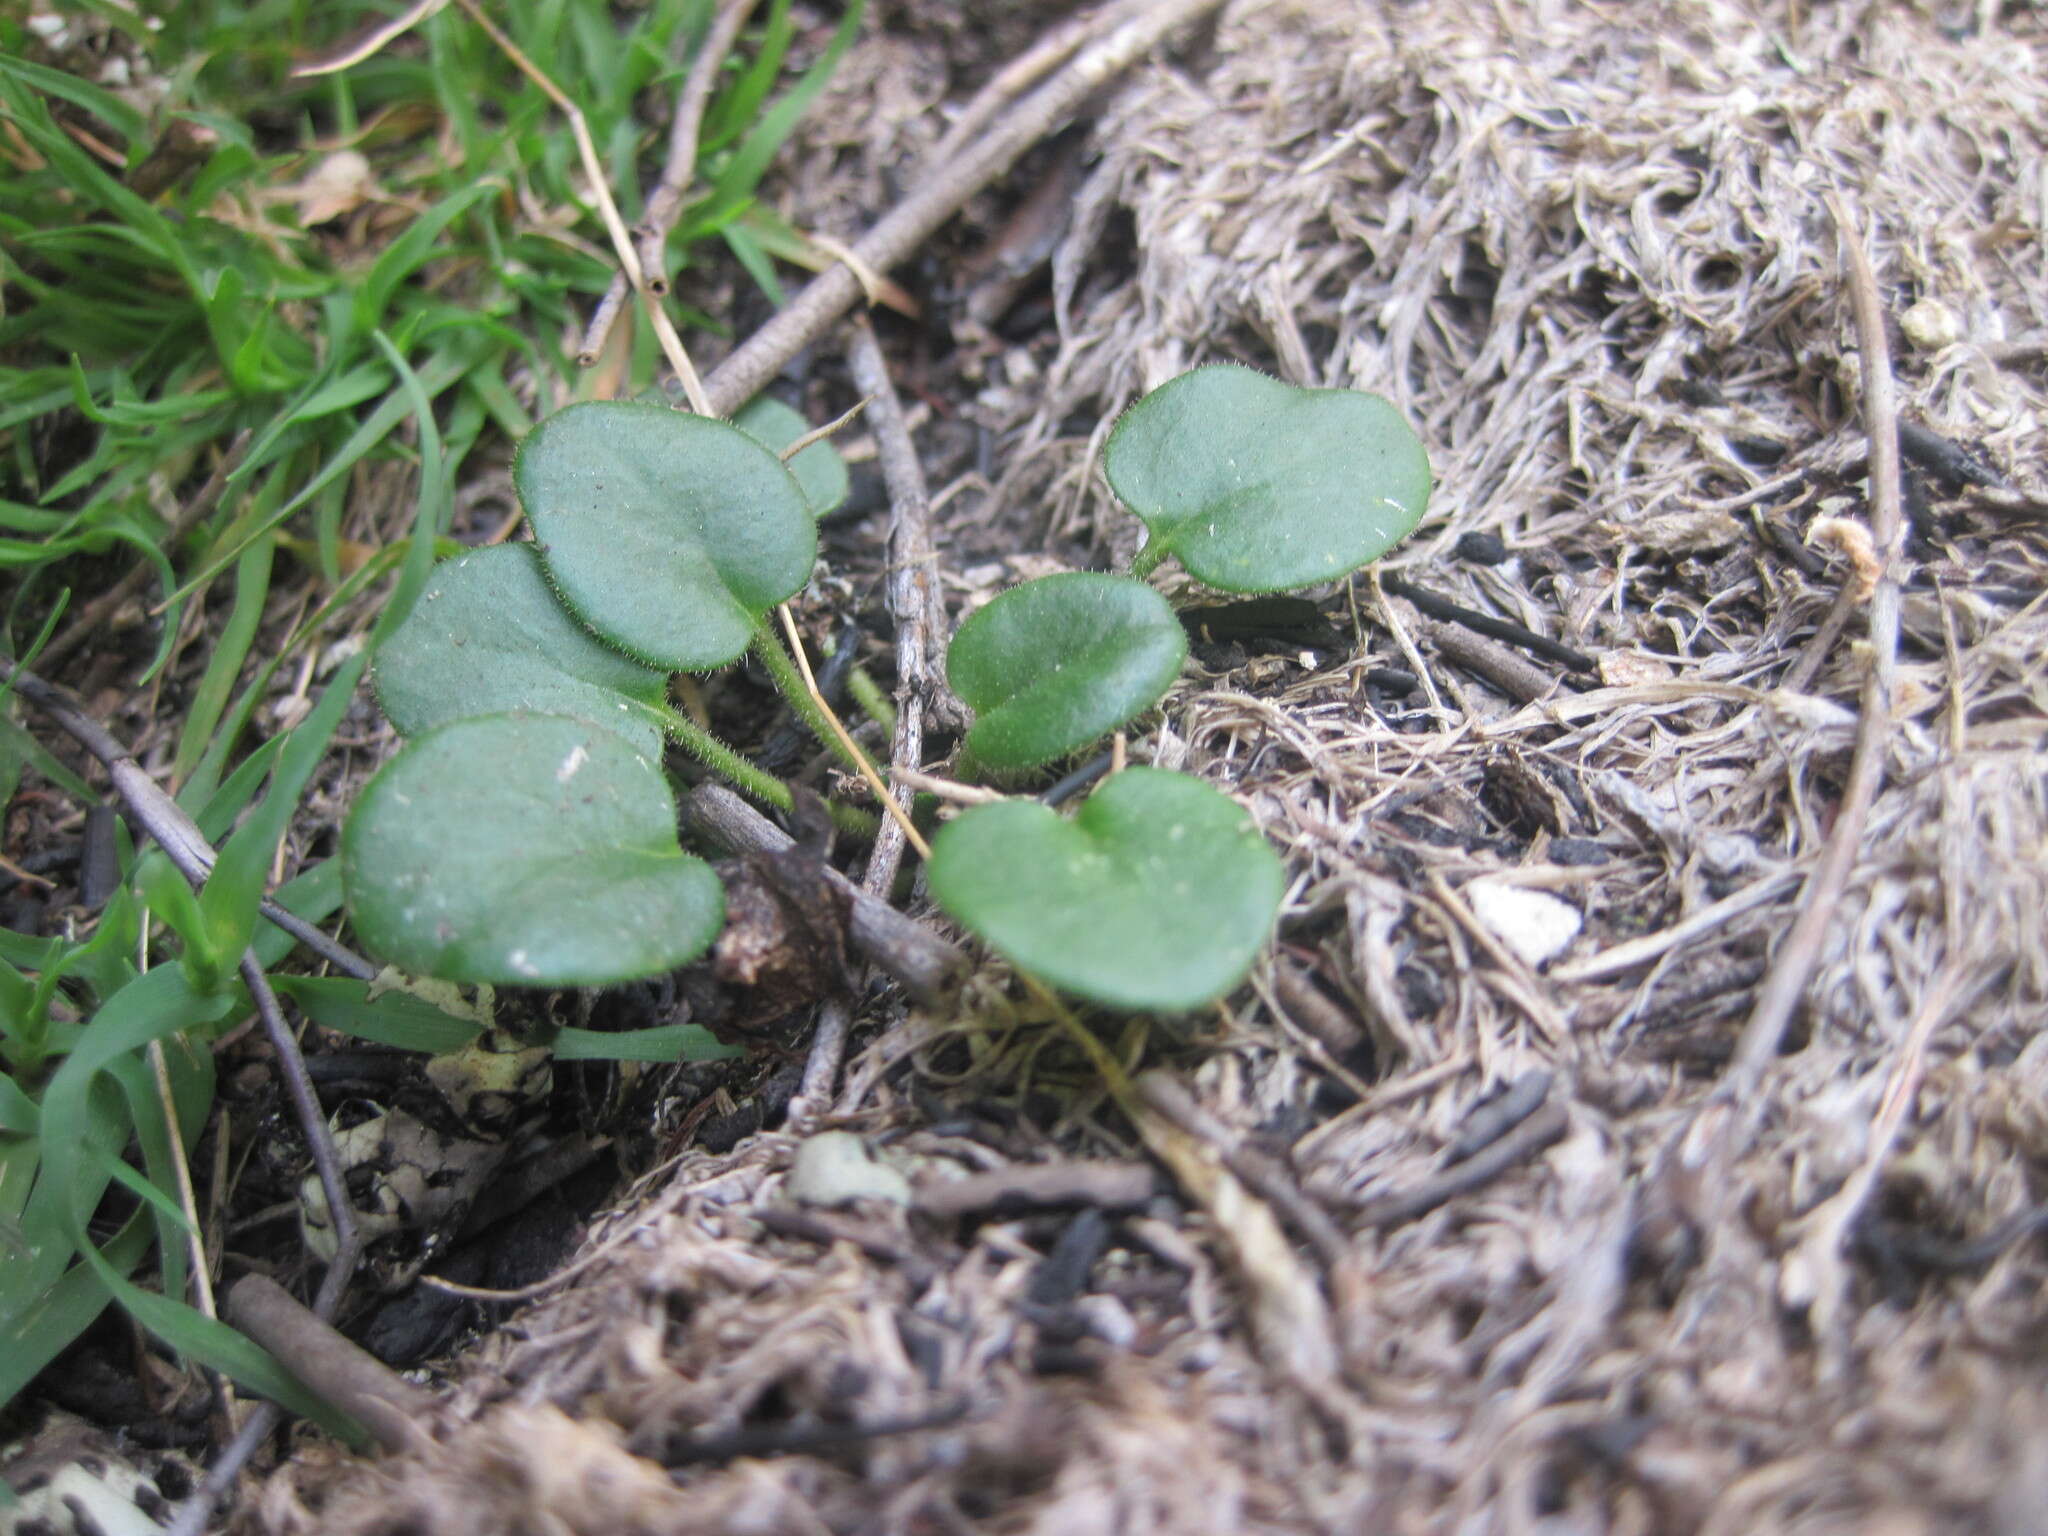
[1931, 325]
[1534, 924]
[834, 1167]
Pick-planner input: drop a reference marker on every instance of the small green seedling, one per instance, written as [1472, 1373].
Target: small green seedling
[527, 836]
[818, 468]
[1057, 664]
[1156, 894]
[1258, 486]
[526, 848]
[668, 535]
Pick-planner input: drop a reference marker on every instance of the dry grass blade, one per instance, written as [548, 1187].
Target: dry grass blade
[911, 222]
[665, 203]
[622, 244]
[1796, 961]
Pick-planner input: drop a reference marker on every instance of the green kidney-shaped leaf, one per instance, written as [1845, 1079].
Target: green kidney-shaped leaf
[532, 850]
[668, 534]
[818, 469]
[1156, 895]
[488, 636]
[1060, 662]
[1259, 486]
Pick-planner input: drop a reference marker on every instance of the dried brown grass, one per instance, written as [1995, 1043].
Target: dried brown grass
[1586, 249]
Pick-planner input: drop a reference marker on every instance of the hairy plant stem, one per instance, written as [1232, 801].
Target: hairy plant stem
[744, 776]
[790, 684]
[1147, 560]
[868, 694]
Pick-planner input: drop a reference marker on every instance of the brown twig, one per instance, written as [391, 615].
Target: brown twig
[925, 963]
[1487, 1122]
[821, 1066]
[1054, 47]
[1308, 1007]
[1290, 1318]
[1520, 679]
[194, 1514]
[1800, 954]
[1617, 958]
[913, 600]
[1482, 1168]
[911, 222]
[849, 748]
[826, 1228]
[348, 1376]
[666, 201]
[1034, 1186]
[1821, 1255]
[1503, 630]
[1164, 1095]
[161, 816]
[593, 168]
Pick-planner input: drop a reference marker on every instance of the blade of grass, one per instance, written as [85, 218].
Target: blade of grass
[252, 592]
[436, 377]
[154, 1006]
[435, 506]
[733, 189]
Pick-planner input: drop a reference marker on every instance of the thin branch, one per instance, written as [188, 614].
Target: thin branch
[819, 434]
[1825, 1241]
[1800, 955]
[666, 201]
[913, 584]
[193, 856]
[157, 814]
[1053, 48]
[1546, 1125]
[1021, 1187]
[197, 1510]
[740, 377]
[1616, 958]
[1164, 1093]
[391, 1408]
[926, 964]
[1508, 633]
[913, 601]
[1520, 679]
[622, 244]
[220, 1477]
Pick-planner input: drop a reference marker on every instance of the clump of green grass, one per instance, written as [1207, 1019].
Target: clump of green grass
[210, 270]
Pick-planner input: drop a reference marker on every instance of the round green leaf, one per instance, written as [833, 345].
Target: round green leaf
[1156, 895]
[529, 850]
[1258, 486]
[668, 534]
[488, 636]
[818, 469]
[1060, 662]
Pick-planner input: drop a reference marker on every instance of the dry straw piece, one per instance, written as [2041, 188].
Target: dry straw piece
[1588, 250]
